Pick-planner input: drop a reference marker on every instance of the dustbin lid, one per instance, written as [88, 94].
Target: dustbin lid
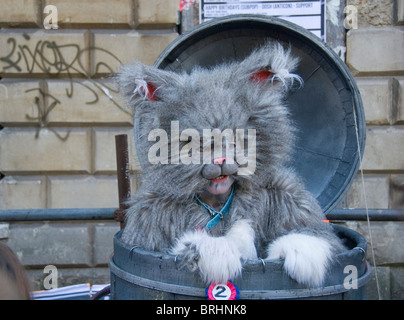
[325, 110]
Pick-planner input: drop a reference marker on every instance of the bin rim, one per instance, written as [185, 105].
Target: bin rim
[290, 293]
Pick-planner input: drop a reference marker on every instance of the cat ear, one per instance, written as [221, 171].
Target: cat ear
[139, 81]
[261, 76]
[145, 89]
[271, 64]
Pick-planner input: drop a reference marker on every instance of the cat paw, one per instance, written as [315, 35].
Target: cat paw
[187, 249]
[216, 258]
[305, 257]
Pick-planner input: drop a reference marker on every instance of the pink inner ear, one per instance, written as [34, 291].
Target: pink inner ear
[150, 91]
[261, 76]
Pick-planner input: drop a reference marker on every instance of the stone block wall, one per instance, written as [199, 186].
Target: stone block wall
[59, 114]
[58, 106]
[375, 56]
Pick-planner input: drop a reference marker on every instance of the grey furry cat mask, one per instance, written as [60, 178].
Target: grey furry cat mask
[186, 125]
[234, 96]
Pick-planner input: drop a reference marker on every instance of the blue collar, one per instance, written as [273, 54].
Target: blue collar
[217, 215]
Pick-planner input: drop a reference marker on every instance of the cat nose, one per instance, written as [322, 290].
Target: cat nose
[219, 161]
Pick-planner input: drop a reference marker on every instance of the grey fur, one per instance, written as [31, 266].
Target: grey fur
[272, 199]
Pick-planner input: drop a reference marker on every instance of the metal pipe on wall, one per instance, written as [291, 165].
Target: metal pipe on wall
[123, 175]
[108, 214]
[56, 214]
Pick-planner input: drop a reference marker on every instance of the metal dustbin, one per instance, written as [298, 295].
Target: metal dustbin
[329, 115]
[144, 275]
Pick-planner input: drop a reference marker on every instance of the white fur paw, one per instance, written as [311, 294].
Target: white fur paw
[217, 259]
[305, 257]
[188, 249]
[243, 236]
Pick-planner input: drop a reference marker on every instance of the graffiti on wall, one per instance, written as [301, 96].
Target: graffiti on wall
[53, 60]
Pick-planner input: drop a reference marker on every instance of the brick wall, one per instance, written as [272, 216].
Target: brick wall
[59, 114]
